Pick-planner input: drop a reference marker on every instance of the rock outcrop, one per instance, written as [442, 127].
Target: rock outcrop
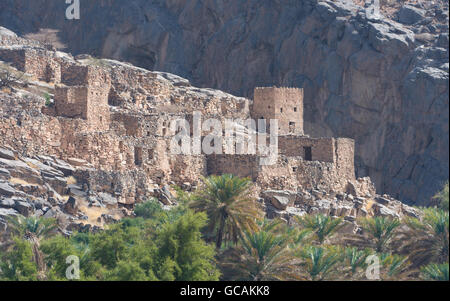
[380, 80]
[46, 186]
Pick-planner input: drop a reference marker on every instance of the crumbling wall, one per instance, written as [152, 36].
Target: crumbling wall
[322, 149]
[71, 102]
[238, 165]
[39, 63]
[345, 157]
[283, 104]
[294, 172]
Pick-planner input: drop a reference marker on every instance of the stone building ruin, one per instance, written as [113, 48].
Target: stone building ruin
[117, 117]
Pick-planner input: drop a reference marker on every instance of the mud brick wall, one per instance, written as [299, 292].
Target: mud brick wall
[71, 101]
[34, 61]
[97, 112]
[15, 56]
[322, 149]
[345, 157]
[238, 165]
[294, 172]
[283, 104]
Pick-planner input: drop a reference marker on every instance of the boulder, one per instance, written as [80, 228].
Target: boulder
[107, 199]
[21, 170]
[280, 199]
[409, 15]
[7, 203]
[350, 189]
[66, 168]
[7, 154]
[410, 211]
[77, 162]
[382, 200]
[23, 207]
[108, 219]
[7, 212]
[71, 206]
[75, 190]
[4, 174]
[280, 202]
[6, 190]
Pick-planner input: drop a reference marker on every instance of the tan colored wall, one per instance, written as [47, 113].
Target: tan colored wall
[345, 157]
[39, 63]
[86, 97]
[283, 104]
[238, 165]
[71, 102]
[322, 148]
[294, 172]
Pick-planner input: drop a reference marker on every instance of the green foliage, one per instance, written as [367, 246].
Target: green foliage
[48, 101]
[149, 209]
[263, 255]
[322, 226]
[18, 264]
[381, 229]
[182, 252]
[429, 240]
[230, 211]
[435, 272]
[355, 259]
[319, 262]
[393, 265]
[127, 271]
[442, 197]
[160, 244]
[37, 226]
[111, 246]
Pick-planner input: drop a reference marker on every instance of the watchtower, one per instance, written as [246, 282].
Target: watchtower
[284, 104]
[84, 95]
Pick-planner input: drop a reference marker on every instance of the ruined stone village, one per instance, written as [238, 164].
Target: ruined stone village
[84, 139]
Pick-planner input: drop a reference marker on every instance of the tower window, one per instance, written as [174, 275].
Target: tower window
[295, 109]
[138, 156]
[308, 153]
[291, 127]
[281, 110]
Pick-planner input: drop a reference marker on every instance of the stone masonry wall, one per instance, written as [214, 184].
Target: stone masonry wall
[39, 63]
[238, 165]
[283, 104]
[345, 157]
[322, 149]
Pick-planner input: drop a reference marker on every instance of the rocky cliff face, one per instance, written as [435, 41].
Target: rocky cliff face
[380, 80]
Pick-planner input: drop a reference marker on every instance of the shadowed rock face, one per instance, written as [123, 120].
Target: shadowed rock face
[381, 82]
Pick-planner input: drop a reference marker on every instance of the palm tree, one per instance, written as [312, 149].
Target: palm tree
[442, 197]
[262, 256]
[322, 226]
[394, 266]
[319, 262]
[355, 259]
[34, 229]
[435, 272]
[429, 237]
[381, 229]
[230, 210]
